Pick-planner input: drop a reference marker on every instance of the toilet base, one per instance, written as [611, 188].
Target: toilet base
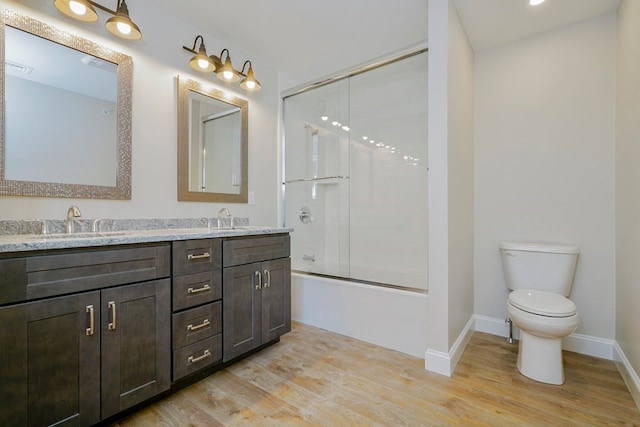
[540, 358]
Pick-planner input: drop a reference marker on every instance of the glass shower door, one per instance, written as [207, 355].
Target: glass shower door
[355, 173]
[316, 179]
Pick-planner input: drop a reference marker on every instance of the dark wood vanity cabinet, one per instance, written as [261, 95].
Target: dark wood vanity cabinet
[257, 292]
[78, 358]
[49, 365]
[196, 319]
[87, 333]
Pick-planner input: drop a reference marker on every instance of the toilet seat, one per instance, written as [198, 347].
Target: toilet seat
[542, 303]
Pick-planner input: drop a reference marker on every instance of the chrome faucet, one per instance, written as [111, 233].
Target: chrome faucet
[72, 213]
[224, 213]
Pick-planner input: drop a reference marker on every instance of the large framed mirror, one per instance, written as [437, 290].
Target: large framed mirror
[65, 119]
[212, 144]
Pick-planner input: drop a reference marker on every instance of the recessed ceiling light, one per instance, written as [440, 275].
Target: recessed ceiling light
[535, 2]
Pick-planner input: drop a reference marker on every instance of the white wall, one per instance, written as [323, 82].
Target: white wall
[461, 180]
[544, 166]
[450, 186]
[627, 179]
[158, 58]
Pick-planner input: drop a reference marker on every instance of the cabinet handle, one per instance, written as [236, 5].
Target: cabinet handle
[206, 354]
[267, 278]
[91, 328]
[112, 307]
[258, 275]
[201, 325]
[198, 290]
[201, 256]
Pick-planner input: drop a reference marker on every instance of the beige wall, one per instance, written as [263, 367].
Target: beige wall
[544, 162]
[627, 180]
[158, 58]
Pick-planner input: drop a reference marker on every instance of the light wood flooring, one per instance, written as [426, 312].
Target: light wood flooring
[319, 378]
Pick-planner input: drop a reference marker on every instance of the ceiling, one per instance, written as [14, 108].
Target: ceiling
[309, 39]
[490, 23]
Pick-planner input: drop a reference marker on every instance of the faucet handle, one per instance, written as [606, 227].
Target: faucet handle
[74, 211]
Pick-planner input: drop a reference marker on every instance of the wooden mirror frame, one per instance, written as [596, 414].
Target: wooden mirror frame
[184, 194]
[122, 189]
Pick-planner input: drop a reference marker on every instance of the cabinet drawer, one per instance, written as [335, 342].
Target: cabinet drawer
[194, 357]
[69, 271]
[196, 289]
[196, 324]
[196, 256]
[254, 249]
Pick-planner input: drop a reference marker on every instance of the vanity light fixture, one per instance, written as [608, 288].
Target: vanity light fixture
[224, 71]
[120, 24]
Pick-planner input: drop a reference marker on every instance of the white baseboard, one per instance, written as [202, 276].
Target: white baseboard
[578, 343]
[629, 374]
[445, 363]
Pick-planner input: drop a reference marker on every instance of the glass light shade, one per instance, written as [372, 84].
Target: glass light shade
[77, 9]
[201, 62]
[227, 73]
[250, 83]
[122, 26]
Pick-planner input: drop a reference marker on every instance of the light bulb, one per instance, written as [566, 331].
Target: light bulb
[77, 8]
[324, 118]
[203, 63]
[535, 2]
[228, 75]
[251, 84]
[123, 28]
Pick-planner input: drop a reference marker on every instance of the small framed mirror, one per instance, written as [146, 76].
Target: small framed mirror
[212, 144]
[65, 119]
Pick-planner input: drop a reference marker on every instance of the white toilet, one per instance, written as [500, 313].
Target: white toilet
[540, 278]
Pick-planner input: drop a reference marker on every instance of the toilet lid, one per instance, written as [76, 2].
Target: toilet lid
[542, 303]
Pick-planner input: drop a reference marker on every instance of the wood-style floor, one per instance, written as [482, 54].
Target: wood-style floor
[319, 378]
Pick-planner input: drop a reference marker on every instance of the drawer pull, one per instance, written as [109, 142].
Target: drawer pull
[112, 307]
[201, 256]
[89, 331]
[206, 354]
[198, 290]
[204, 324]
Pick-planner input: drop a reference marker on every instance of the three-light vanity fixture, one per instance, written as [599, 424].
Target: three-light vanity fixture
[225, 71]
[120, 24]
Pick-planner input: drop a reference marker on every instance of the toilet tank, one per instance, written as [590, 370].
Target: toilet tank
[539, 266]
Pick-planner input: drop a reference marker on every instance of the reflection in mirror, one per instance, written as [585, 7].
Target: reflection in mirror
[212, 144]
[66, 117]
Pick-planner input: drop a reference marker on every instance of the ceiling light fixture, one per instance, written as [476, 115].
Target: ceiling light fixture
[224, 71]
[120, 24]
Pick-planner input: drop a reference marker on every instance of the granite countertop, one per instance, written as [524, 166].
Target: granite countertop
[115, 236]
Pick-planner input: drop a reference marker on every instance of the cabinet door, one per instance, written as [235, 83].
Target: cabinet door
[136, 344]
[276, 298]
[50, 362]
[241, 310]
